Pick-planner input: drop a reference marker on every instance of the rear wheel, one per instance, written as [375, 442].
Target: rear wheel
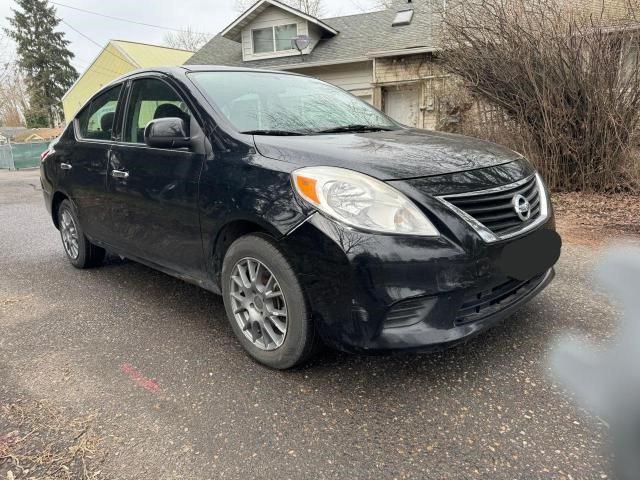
[79, 250]
[265, 303]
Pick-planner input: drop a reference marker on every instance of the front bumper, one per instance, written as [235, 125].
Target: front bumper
[436, 331]
[374, 293]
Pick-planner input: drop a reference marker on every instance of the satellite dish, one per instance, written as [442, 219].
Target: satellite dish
[301, 42]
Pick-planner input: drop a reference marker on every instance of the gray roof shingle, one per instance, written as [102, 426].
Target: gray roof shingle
[359, 34]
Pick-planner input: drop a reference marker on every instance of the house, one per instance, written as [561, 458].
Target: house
[117, 58]
[33, 135]
[610, 9]
[9, 133]
[384, 57]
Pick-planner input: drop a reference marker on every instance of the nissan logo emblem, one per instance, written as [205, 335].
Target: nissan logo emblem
[522, 207]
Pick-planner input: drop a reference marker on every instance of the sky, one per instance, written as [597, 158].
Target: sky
[209, 16]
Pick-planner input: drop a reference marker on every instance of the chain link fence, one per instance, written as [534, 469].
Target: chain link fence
[21, 155]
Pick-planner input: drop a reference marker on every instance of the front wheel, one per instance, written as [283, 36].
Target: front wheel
[80, 252]
[265, 303]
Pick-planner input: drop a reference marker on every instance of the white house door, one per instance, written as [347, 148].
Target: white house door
[402, 103]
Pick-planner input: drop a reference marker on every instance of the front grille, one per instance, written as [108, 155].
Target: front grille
[480, 304]
[494, 208]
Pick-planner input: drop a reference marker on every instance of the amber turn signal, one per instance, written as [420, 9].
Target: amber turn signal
[307, 188]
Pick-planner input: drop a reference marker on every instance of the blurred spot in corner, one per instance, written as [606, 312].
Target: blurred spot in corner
[608, 382]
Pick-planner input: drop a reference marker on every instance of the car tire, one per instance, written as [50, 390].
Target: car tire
[299, 340]
[80, 252]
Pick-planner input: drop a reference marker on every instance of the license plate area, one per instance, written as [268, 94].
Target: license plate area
[529, 256]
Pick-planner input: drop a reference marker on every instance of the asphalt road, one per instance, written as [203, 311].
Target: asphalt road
[173, 395]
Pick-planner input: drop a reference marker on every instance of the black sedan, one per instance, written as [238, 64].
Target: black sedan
[318, 218]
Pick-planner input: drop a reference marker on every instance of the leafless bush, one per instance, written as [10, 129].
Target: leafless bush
[458, 110]
[565, 82]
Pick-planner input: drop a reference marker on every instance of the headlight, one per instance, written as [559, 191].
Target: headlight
[361, 201]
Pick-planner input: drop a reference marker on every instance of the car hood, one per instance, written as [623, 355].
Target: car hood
[393, 155]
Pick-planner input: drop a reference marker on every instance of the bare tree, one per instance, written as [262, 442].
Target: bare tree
[187, 39]
[14, 99]
[568, 81]
[310, 7]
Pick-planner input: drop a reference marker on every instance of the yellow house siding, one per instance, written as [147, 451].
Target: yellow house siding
[116, 59]
[109, 65]
[151, 55]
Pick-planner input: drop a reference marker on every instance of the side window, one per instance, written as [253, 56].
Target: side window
[96, 121]
[152, 99]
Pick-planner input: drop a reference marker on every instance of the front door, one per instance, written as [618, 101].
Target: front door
[153, 192]
[83, 161]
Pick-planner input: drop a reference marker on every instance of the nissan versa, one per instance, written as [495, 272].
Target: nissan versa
[318, 218]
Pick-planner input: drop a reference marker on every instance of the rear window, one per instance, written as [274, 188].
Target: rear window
[96, 121]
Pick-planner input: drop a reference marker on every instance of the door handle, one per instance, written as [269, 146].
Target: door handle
[66, 166]
[119, 174]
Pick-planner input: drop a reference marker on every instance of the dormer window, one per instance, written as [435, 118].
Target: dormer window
[268, 27]
[274, 39]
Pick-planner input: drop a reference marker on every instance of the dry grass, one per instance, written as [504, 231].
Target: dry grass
[38, 441]
[595, 219]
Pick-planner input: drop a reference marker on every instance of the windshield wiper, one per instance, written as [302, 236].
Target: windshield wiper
[356, 128]
[280, 133]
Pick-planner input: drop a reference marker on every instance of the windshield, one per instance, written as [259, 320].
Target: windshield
[272, 103]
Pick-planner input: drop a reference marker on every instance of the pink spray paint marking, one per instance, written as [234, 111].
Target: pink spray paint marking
[140, 379]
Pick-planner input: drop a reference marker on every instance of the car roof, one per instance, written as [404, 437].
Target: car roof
[221, 68]
[181, 70]
[197, 68]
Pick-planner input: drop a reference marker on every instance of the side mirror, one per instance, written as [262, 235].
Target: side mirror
[167, 133]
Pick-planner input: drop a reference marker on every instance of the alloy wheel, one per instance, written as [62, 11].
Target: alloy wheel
[69, 233]
[258, 304]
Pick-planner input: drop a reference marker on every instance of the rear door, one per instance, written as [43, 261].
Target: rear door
[153, 192]
[82, 166]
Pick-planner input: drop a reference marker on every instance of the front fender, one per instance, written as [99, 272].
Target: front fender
[242, 192]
